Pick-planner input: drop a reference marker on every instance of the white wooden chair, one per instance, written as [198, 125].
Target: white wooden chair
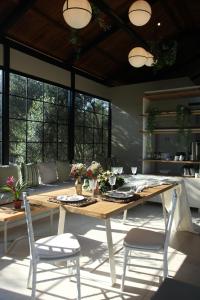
[139, 239]
[51, 249]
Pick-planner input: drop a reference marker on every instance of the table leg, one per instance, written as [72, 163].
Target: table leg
[51, 215]
[61, 222]
[164, 209]
[5, 237]
[110, 251]
[124, 216]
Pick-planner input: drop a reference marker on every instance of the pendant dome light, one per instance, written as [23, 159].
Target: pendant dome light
[137, 57]
[77, 13]
[150, 59]
[139, 12]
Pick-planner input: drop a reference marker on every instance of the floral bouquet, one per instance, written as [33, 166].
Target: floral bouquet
[103, 181]
[14, 187]
[78, 170]
[94, 170]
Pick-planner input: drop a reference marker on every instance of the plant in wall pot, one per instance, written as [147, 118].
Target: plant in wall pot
[183, 120]
[15, 188]
[151, 125]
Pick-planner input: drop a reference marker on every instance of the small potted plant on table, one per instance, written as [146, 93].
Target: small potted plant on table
[15, 188]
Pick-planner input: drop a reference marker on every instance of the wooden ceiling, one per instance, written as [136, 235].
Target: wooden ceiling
[103, 53]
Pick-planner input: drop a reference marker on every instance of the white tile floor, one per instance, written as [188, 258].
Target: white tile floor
[143, 277]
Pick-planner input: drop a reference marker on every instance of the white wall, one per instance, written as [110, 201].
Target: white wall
[1, 55]
[126, 119]
[92, 87]
[33, 66]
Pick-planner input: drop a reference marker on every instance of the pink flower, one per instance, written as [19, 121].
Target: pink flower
[10, 181]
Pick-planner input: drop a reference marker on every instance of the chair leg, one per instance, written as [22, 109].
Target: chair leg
[29, 275]
[34, 266]
[126, 251]
[165, 265]
[78, 279]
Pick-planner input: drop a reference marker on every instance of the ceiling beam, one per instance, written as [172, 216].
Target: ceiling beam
[172, 15]
[102, 5]
[15, 15]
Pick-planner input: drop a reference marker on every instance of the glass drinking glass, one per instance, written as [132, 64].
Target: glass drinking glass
[112, 181]
[114, 170]
[134, 170]
[120, 170]
[92, 185]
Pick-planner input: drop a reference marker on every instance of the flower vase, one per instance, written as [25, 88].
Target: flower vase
[17, 204]
[78, 186]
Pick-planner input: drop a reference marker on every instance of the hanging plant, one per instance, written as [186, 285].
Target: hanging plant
[151, 119]
[183, 120]
[99, 18]
[164, 53]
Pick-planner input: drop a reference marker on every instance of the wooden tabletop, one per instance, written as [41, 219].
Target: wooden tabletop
[100, 209]
[8, 213]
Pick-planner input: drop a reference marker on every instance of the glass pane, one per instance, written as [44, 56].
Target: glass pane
[34, 131]
[89, 119]
[18, 85]
[62, 151]
[105, 121]
[105, 150]
[34, 152]
[98, 136]
[89, 135]
[62, 96]
[88, 152]
[34, 110]
[79, 102]
[50, 152]
[50, 93]
[17, 130]
[0, 152]
[97, 120]
[98, 151]
[35, 89]
[17, 108]
[105, 136]
[79, 135]
[79, 118]
[98, 106]
[17, 152]
[50, 112]
[62, 133]
[79, 153]
[62, 115]
[89, 104]
[0, 130]
[0, 103]
[105, 107]
[50, 132]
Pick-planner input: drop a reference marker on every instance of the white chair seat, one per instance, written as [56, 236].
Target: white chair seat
[144, 239]
[57, 246]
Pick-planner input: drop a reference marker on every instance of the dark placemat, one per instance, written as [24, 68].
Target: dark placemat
[87, 201]
[135, 197]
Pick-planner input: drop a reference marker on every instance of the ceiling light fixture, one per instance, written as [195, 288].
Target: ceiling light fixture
[137, 57]
[139, 12]
[77, 13]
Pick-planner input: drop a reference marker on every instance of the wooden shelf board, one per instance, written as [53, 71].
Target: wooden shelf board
[195, 112]
[172, 161]
[193, 91]
[170, 131]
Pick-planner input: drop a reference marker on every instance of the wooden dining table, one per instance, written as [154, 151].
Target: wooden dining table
[103, 210]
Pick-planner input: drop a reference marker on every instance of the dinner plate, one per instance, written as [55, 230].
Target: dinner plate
[120, 195]
[74, 198]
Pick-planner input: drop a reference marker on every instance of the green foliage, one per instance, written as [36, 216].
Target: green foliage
[151, 119]
[183, 120]
[164, 53]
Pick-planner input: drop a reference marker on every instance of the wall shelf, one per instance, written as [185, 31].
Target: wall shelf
[195, 112]
[169, 130]
[191, 162]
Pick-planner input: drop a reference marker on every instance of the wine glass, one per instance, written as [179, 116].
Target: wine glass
[134, 170]
[120, 170]
[112, 181]
[114, 170]
[92, 185]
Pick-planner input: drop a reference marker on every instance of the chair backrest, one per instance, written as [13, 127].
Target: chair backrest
[170, 217]
[29, 226]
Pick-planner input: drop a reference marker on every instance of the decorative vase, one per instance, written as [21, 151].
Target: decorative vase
[78, 186]
[17, 204]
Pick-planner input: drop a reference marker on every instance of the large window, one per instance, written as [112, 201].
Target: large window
[38, 120]
[91, 128]
[0, 116]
